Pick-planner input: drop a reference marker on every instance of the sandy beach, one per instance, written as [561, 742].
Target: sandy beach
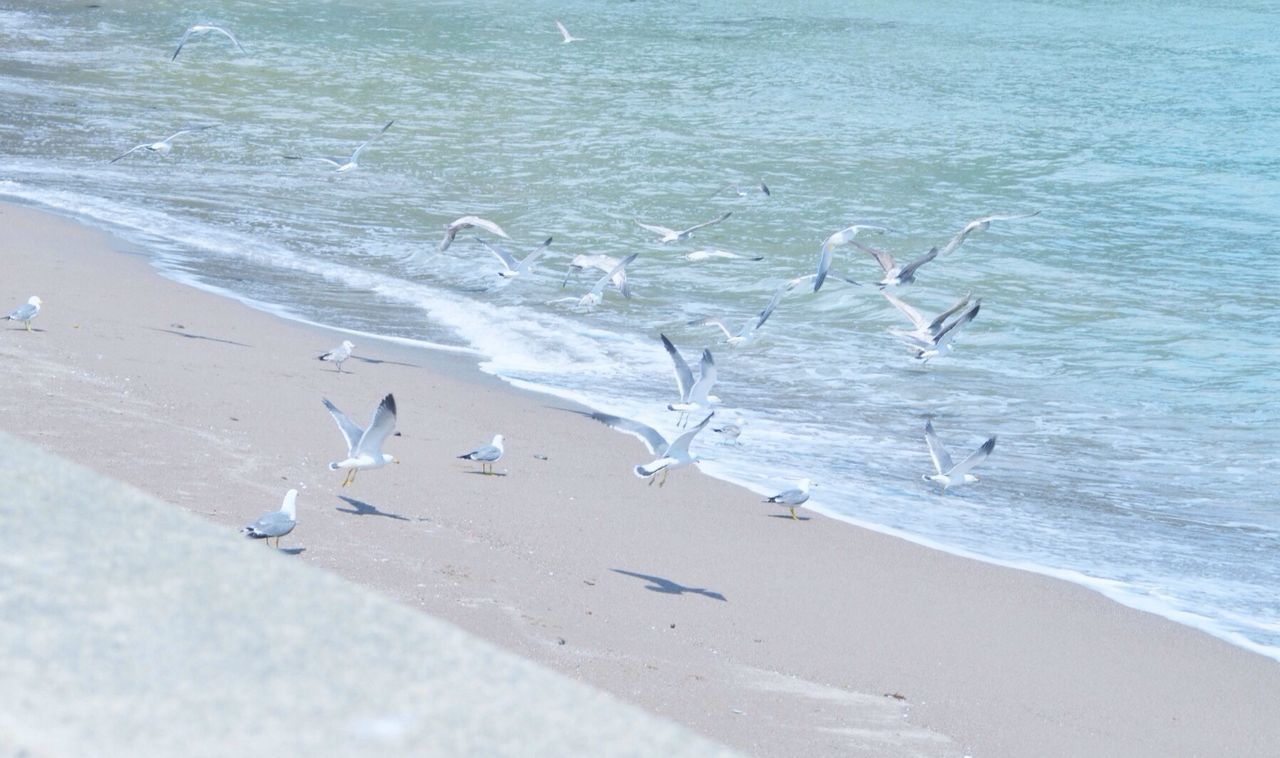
[694, 600]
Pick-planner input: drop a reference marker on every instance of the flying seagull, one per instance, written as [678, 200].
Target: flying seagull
[671, 235]
[739, 191]
[276, 523]
[364, 446]
[468, 222]
[671, 455]
[894, 273]
[486, 455]
[511, 268]
[745, 331]
[841, 237]
[724, 255]
[26, 311]
[693, 394]
[793, 498]
[596, 295]
[601, 262]
[978, 225]
[339, 354]
[566, 35]
[730, 431]
[925, 329]
[940, 343]
[163, 146]
[950, 474]
[200, 30]
[343, 165]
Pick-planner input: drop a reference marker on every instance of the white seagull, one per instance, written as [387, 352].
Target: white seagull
[200, 30]
[744, 332]
[925, 329]
[364, 446]
[601, 262]
[671, 455]
[343, 165]
[163, 146]
[671, 235]
[467, 222]
[978, 225]
[950, 474]
[841, 237]
[276, 523]
[895, 273]
[723, 255]
[738, 191]
[793, 498]
[511, 268]
[338, 354]
[26, 312]
[694, 395]
[940, 343]
[566, 35]
[486, 455]
[596, 295]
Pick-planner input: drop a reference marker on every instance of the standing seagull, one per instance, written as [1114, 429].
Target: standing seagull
[894, 273]
[339, 354]
[276, 523]
[343, 165]
[199, 30]
[26, 311]
[486, 455]
[671, 235]
[364, 446]
[163, 146]
[841, 237]
[950, 474]
[978, 225]
[793, 498]
[467, 222]
[566, 35]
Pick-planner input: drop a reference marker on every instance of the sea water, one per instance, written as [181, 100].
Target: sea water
[1126, 351]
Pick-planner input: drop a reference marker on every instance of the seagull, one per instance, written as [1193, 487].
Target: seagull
[924, 328]
[567, 36]
[793, 498]
[731, 430]
[343, 165]
[364, 446]
[511, 268]
[486, 455]
[951, 474]
[593, 298]
[706, 255]
[26, 312]
[740, 192]
[747, 330]
[671, 455]
[895, 274]
[339, 354]
[467, 222]
[978, 225]
[163, 146]
[199, 30]
[693, 395]
[276, 523]
[939, 344]
[602, 262]
[671, 235]
[841, 237]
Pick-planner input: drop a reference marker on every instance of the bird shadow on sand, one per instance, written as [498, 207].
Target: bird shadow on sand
[668, 587]
[376, 361]
[190, 336]
[292, 550]
[361, 508]
[787, 516]
[482, 473]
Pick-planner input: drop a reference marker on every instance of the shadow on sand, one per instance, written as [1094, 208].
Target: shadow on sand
[191, 336]
[668, 587]
[361, 508]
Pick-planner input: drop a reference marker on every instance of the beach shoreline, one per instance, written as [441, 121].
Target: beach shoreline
[694, 600]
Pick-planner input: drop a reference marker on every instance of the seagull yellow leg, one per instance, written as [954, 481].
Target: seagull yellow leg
[793, 515]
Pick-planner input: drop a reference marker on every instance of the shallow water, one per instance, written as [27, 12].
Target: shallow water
[1126, 353]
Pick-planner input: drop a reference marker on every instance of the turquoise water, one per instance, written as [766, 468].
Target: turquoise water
[1126, 353]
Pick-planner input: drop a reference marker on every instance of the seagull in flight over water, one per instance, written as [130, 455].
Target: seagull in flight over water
[671, 235]
[343, 165]
[596, 295]
[693, 394]
[602, 262]
[951, 474]
[841, 237]
[163, 146]
[364, 446]
[566, 35]
[200, 30]
[467, 222]
[748, 329]
[894, 273]
[940, 343]
[511, 268]
[978, 225]
[925, 329]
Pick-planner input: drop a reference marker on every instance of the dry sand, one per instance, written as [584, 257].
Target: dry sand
[694, 601]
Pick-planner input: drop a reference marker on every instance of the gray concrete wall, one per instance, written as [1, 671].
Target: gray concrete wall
[129, 627]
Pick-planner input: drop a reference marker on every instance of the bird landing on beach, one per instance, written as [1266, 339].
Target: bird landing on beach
[26, 312]
[364, 446]
[276, 523]
[339, 354]
[486, 455]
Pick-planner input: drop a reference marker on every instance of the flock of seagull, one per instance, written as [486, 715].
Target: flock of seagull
[928, 338]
